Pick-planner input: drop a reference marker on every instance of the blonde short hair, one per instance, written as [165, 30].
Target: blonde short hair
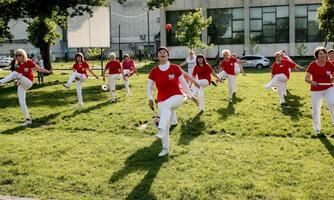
[23, 53]
[278, 53]
[112, 55]
[226, 51]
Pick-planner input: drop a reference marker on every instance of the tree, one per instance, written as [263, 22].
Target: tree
[301, 48]
[159, 3]
[46, 14]
[253, 41]
[190, 27]
[326, 20]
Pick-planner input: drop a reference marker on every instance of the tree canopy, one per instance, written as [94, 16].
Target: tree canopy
[326, 20]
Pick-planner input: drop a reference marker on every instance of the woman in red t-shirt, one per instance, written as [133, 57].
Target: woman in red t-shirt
[320, 75]
[79, 74]
[129, 68]
[202, 73]
[23, 74]
[280, 74]
[228, 66]
[115, 72]
[166, 77]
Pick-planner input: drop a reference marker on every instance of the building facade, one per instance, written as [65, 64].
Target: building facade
[270, 24]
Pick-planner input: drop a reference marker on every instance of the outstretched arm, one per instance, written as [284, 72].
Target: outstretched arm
[91, 71]
[150, 93]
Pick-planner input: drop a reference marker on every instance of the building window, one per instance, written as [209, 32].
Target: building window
[172, 17]
[270, 24]
[306, 24]
[227, 26]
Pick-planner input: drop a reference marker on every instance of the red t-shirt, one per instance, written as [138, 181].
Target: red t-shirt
[320, 75]
[228, 66]
[81, 68]
[282, 68]
[167, 82]
[128, 65]
[114, 67]
[203, 72]
[26, 69]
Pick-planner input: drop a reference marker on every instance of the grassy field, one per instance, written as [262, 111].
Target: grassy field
[251, 149]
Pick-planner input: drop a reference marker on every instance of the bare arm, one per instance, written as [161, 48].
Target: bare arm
[43, 70]
[183, 63]
[91, 71]
[308, 79]
[189, 78]
[150, 93]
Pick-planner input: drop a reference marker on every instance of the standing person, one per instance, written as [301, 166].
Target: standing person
[79, 74]
[166, 77]
[280, 75]
[331, 56]
[115, 72]
[227, 66]
[40, 75]
[190, 61]
[202, 73]
[320, 75]
[23, 74]
[129, 68]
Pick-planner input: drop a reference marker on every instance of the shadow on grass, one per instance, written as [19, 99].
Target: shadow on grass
[55, 98]
[86, 110]
[36, 123]
[144, 159]
[293, 106]
[226, 112]
[329, 146]
[191, 129]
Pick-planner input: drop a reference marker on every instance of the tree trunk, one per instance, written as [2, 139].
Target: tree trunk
[45, 52]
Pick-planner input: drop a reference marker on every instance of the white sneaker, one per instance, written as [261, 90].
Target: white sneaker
[274, 89]
[163, 153]
[318, 132]
[27, 122]
[80, 105]
[267, 88]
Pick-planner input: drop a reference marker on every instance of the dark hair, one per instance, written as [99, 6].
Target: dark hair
[330, 51]
[13, 65]
[126, 55]
[81, 55]
[200, 56]
[161, 48]
[317, 50]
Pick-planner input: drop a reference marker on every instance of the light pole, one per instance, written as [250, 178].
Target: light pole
[148, 32]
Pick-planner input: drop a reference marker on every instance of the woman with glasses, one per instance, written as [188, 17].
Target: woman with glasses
[23, 74]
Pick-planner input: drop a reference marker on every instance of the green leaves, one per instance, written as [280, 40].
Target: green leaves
[325, 18]
[159, 3]
[190, 29]
[42, 30]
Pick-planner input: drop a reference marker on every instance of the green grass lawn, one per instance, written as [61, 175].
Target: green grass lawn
[251, 149]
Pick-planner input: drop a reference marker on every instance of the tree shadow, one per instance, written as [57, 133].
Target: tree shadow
[86, 110]
[191, 129]
[38, 122]
[226, 112]
[144, 159]
[329, 146]
[293, 106]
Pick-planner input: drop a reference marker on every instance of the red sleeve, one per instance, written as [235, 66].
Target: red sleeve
[107, 66]
[31, 64]
[310, 68]
[178, 71]
[75, 66]
[194, 71]
[290, 64]
[86, 65]
[133, 64]
[152, 74]
[210, 69]
[233, 59]
[331, 66]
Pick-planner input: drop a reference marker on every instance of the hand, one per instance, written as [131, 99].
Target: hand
[314, 83]
[196, 84]
[151, 104]
[219, 80]
[194, 100]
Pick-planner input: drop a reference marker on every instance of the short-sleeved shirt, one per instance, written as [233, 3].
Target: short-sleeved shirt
[81, 68]
[191, 62]
[228, 66]
[167, 82]
[321, 74]
[203, 72]
[130, 65]
[114, 67]
[282, 68]
[26, 69]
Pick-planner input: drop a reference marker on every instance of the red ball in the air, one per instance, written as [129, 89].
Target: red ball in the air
[168, 27]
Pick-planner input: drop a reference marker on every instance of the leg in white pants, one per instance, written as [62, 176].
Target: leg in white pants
[79, 89]
[329, 95]
[166, 109]
[275, 80]
[112, 84]
[74, 76]
[21, 92]
[200, 91]
[127, 72]
[281, 91]
[10, 77]
[173, 118]
[232, 85]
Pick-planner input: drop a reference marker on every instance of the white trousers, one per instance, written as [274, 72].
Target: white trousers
[112, 84]
[279, 80]
[80, 78]
[317, 97]
[127, 73]
[168, 115]
[201, 93]
[24, 85]
[232, 84]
